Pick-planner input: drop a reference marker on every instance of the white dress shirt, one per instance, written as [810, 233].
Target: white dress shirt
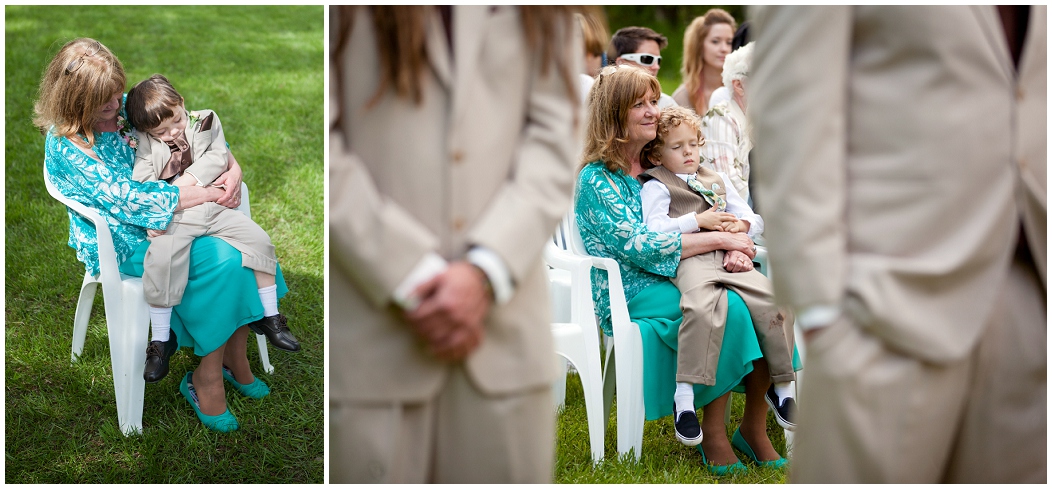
[656, 200]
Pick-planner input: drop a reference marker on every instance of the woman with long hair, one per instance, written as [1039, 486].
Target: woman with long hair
[706, 42]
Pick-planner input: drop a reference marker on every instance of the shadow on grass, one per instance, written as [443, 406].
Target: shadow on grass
[61, 418]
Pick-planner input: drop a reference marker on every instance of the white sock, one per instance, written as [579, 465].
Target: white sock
[684, 397]
[784, 390]
[269, 297]
[160, 323]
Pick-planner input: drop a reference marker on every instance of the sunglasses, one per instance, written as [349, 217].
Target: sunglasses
[76, 63]
[643, 59]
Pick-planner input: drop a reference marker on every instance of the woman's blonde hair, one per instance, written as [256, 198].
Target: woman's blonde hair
[614, 92]
[81, 78]
[670, 118]
[694, 48]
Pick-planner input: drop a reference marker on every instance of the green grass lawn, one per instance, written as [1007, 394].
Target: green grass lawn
[664, 459]
[262, 70]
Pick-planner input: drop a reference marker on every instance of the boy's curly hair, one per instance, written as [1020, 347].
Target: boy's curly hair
[670, 117]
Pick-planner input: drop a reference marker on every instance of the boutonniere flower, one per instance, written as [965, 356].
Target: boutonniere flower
[126, 132]
[194, 119]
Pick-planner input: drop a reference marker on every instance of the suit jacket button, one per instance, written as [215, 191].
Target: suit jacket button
[457, 156]
[1022, 163]
[458, 224]
[1019, 92]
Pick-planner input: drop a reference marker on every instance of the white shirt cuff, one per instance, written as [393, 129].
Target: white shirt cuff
[427, 268]
[199, 182]
[817, 316]
[688, 223]
[497, 273]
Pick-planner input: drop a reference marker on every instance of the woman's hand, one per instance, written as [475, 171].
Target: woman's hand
[231, 179]
[193, 195]
[736, 261]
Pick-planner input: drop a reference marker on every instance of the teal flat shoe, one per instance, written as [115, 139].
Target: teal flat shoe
[722, 470]
[256, 390]
[223, 423]
[738, 441]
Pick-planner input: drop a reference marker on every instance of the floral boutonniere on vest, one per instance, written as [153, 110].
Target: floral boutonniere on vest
[125, 131]
[193, 120]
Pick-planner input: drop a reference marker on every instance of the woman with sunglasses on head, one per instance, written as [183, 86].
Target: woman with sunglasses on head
[706, 43]
[89, 151]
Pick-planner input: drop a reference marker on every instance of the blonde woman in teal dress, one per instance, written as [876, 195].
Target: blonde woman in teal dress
[622, 118]
[89, 151]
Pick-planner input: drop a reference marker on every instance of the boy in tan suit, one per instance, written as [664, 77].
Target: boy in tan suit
[188, 148]
[680, 196]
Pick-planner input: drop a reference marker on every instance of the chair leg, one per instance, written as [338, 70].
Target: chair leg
[609, 382]
[264, 356]
[630, 414]
[592, 381]
[83, 314]
[128, 340]
[559, 387]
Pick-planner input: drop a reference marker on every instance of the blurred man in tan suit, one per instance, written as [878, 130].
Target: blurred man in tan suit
[902, 163]
[451, 162]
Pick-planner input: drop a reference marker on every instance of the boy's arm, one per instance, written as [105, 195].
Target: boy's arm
[751, 222]
[656, 200]
[214, 160]
[144, 170]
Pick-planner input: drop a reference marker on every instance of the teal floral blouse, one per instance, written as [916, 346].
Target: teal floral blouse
[611, 225]
[129, 207]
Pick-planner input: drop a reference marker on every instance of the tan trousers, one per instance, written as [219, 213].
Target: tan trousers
[701, 280]
[166, 265]
[872, 415]
[461, 436]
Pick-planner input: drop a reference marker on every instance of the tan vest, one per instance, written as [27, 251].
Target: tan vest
[684, 200]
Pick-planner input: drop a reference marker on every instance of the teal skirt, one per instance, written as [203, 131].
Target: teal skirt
[656, 310]
[220, 294]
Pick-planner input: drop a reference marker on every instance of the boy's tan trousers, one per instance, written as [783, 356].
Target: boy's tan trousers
[167, 262]
[701, 280]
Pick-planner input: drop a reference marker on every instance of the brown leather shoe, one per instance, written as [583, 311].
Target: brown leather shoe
[276, 329]
[157, 355]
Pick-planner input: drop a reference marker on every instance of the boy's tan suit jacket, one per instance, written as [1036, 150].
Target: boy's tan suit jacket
[486, 160]
[208, 146]
[901, 192]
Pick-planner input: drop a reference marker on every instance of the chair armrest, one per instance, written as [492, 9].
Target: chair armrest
[107, 257]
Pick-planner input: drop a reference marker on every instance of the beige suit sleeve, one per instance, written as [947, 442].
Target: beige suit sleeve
[144, 170]
[799, 105]
[371, 239]
[526, 210]
[213, 162]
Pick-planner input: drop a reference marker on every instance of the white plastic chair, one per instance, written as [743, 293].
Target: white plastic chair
[127, 316]
[576, 336]
[626, 342]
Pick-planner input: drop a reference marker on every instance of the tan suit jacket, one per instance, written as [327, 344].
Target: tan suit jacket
[485, 160]
[207, 145]
[900, 193]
